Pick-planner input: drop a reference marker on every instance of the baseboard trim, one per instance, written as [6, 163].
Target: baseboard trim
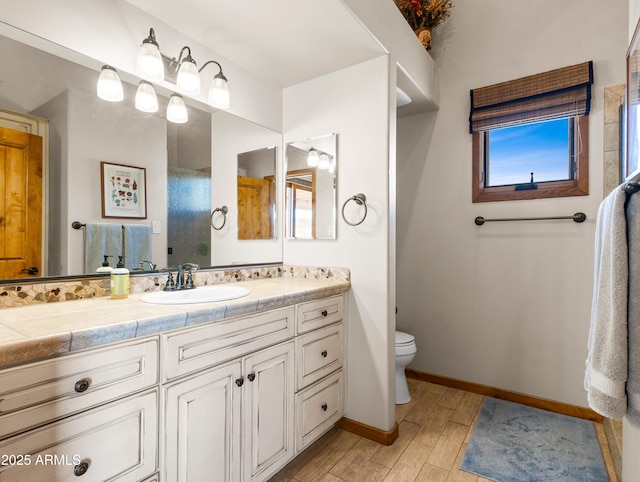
[536, 402]
[367, 431]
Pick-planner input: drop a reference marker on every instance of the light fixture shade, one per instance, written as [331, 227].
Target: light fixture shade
[324, 161]
[146, 99]
[109, 85]
[219, 92]
[177, 110]
[188, 80]
[149, 64]
[313, 158]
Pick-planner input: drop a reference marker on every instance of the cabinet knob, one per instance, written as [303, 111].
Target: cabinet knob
[324, 407]
[82, 385]
[251, 376]
[80, 469]
[240, 381]
[324, 313]
[324, 353]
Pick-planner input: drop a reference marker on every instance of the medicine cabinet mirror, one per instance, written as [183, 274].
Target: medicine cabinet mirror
[310, 188]
[257, 194]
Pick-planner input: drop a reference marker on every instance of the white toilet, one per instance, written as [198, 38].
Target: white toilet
[405, 353]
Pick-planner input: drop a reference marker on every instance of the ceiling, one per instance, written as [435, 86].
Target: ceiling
[283, 41]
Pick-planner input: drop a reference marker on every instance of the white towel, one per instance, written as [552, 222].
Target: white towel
[101, 239]
[606, 366]
[137, 244]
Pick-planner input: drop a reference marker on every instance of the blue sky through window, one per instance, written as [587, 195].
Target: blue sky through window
[542, 148]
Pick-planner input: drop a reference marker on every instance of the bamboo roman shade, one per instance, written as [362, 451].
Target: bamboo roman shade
[558, 93]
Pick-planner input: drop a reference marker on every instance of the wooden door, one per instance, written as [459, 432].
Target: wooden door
[255, 207]
[202, 427]
[268, 411]
[20, 204]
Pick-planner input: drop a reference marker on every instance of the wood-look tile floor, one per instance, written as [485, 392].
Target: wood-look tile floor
[435, 428]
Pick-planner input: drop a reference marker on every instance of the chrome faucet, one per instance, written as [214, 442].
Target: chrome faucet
[147, 266]
[181, 282]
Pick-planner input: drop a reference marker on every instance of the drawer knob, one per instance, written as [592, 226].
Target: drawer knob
[324, 407]
[82, 385]
[324, 353]
[80, 469]
[251, 376]
[240, 381]
[324, 313]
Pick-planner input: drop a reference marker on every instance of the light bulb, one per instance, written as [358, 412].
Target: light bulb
[188, 80]
[219, 92]
[324, 161]
[177, 110]
[109, 85]
[146, 99]
[313, 158]
[149, 64]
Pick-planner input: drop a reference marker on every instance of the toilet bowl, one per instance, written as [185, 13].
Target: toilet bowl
[405, 353]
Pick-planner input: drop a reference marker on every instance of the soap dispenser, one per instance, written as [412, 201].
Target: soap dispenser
[120, 280]
[105, 268]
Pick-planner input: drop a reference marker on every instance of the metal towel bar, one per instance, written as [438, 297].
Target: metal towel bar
[577, 217]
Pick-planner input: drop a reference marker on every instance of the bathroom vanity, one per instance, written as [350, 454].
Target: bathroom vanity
[210, 391]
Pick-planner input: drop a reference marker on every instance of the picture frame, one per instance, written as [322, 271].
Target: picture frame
[123, 190]
[630, 169]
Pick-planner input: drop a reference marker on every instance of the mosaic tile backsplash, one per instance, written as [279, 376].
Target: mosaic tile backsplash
[13, 295]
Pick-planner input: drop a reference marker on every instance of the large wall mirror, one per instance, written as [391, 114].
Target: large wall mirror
[186, 166]
[310, 188]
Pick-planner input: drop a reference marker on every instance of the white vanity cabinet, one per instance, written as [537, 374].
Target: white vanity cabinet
[91, 415]
[235, 420]
[228, 400]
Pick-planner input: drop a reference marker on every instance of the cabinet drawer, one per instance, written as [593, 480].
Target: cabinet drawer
[38, 393]
[316, 314]
[191, 350]
[318, 408]
[318, 353]
[117, 441]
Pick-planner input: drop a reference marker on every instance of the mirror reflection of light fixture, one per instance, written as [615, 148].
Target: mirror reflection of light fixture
[149, 64]
[146, 99]
[177, 110]
[219, 90]
[313, 158]
[109, 85]
[324, 161]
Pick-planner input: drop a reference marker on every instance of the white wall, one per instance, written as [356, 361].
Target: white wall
[354, 103]
[505, 304]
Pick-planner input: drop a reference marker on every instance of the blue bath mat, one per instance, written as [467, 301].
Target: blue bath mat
[515, 443]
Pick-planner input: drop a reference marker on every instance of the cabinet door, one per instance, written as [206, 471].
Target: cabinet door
[268, 411]
[202, 427]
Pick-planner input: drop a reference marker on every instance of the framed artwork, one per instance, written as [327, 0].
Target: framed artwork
[630, 162]
[124, 193]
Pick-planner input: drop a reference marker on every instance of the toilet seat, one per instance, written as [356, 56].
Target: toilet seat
[403, 338]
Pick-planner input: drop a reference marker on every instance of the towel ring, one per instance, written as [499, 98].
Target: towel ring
[361, 200]
[224, 210]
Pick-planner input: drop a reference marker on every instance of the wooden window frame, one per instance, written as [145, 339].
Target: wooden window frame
[578, 186]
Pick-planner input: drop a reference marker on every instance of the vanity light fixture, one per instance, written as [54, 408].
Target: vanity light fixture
[149, 64]
[109, 85]
[177, 110]
[313, 158]
[146, 99]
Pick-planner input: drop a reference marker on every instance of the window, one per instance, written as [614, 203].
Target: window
[530, 136]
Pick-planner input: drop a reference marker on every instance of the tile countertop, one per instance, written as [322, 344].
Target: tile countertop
[34, 332]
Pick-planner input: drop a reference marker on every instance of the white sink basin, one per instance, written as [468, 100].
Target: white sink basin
[201, 294]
